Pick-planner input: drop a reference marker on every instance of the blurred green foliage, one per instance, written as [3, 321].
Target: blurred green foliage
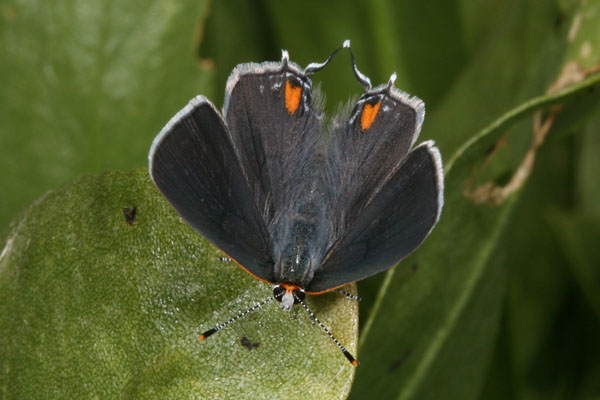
[503, 300]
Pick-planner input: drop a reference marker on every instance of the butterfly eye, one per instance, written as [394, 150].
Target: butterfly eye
[299, 295]
[278, 292]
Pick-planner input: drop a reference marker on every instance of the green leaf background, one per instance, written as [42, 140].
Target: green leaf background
[502, 300]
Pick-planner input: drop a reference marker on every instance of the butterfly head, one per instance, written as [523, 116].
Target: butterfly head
[288, 294]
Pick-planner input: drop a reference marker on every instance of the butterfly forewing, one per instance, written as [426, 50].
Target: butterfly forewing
[399, 216]
[193, 163]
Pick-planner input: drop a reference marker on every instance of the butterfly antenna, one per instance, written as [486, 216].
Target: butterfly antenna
[240, 315]
[314, 67]
[348, 295]
[314, 318]
[362, 79]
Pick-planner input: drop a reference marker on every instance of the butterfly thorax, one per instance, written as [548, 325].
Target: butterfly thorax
[303, 233]
[295, 259]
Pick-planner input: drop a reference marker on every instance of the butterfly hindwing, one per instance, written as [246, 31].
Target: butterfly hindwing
[274, 129]
[386, 198]
[382, 128]
[193, 163]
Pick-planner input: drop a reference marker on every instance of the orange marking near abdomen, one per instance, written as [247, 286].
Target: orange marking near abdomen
[293, 94]
[368, 115]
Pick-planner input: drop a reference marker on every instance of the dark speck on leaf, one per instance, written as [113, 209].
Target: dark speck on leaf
[414, 268]
[248, 344]
[398, 363]
[130, 214]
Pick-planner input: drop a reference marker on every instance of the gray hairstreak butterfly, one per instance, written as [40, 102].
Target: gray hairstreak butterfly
[305, 204]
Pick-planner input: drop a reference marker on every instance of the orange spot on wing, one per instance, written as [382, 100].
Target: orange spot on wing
[293, 94]
[368, 115]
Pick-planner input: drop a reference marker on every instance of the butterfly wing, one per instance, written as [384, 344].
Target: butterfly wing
[387, 199]
[274, 129]
[193, 163]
